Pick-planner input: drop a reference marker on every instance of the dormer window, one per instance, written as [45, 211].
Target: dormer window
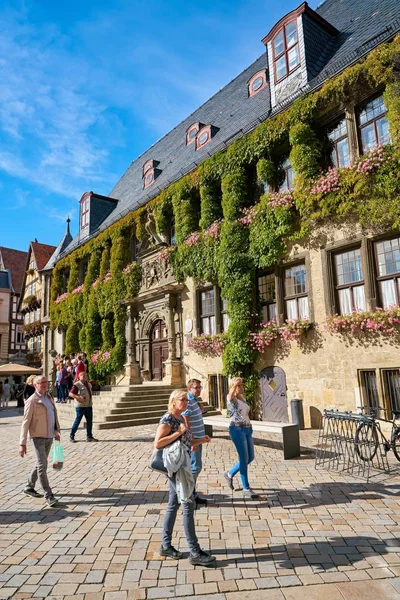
[203, 136]
[286, 51]
[85, 206]
[257, 83]
[191, 133]
[149, 172]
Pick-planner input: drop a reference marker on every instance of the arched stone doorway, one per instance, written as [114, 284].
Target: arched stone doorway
[158, 349]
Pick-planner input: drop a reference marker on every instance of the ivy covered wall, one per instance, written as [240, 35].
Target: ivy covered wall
[227, 227]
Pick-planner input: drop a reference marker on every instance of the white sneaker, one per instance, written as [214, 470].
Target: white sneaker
[51, 500]
[249, 493]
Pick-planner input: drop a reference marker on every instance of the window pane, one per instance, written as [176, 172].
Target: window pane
[348, 267]
[372, 110]
[291, 310]
[225, 322]
[303, 308]
[293, 57]
[388, 256]
[280, 67]
[279, 44]
[266, 287]
[368, 137]
[359, 297]
[345, 301]
[205, 325]
[291, 34]
[207, 302]
[340, 130]
[213, 328]
[295, 280]
[382, 127]
[388, 293]
[343, 153]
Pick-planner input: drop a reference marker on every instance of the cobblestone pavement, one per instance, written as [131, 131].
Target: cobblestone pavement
[337, 536]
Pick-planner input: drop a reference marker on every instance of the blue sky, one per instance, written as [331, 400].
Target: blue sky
[86, 87]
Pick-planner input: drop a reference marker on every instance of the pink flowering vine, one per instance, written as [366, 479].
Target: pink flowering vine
[61, 298]
[213, 230]
[193, 239]
[292, 330]
[373, 159]
[249, 214]
[281, 199]
[107, 277]
[382, 320]
[128, 269]
[95, 283]
[77, 290]
[208, 345]
[329, 182]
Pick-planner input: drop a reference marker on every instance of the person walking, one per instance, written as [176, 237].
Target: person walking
[80, 366]
[81, 391]
[171, 428]
[59, 375]
[6, 395]
[41, 422]
[193, 417]
[241, 433]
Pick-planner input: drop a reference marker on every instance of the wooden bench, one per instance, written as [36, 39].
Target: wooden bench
[290, 433]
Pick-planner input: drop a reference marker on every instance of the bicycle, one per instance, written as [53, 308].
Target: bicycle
[366, 438]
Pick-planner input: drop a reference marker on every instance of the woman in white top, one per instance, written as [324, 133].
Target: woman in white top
[240, 431]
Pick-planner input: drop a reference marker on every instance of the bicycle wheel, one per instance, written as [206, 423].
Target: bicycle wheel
[396, 445]
[366, 441]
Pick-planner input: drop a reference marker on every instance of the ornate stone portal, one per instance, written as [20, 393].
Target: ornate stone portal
[158, 304]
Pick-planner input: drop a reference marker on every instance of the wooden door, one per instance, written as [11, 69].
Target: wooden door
[273, 395]
[159, 350]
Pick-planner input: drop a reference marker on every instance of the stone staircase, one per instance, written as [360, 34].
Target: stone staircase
[124, 406]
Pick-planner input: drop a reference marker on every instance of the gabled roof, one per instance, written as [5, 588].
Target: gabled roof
[66, 240]
[362, 25]
[15, 261]
[42, 254]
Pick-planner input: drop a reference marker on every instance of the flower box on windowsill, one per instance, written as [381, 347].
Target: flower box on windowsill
[381, 320]
[208, 345]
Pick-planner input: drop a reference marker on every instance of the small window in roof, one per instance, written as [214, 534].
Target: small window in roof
[257, 82]
[203, 136]
[149, 177]
[191, 133]
[286, 50]
[147, 166]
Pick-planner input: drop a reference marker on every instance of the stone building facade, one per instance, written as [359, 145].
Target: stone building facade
[341, 267]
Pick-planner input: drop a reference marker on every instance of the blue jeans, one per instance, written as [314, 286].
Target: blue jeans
[87, 412]
[196, 464]
[63, 391]
[243, 440]
[188, 520]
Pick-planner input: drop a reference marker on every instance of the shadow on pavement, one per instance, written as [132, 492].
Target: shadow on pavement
[44, 515]
[324, 555]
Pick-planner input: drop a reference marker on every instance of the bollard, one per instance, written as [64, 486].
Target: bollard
[296, 407]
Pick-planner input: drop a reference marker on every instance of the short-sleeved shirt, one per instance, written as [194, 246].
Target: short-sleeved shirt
[195, 415]
[174, 423]
[238, 411]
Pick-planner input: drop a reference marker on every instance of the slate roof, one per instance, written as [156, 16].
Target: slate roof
[15, 261]
[66, 240]
[363, 24]
[42, 253]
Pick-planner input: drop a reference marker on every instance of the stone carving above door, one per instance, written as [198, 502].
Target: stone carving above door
[155, 272]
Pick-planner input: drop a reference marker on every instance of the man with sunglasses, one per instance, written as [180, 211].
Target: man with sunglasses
[41, 421]
[193, 417]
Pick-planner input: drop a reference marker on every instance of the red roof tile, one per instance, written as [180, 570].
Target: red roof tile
[15, 260]
[42, 253]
